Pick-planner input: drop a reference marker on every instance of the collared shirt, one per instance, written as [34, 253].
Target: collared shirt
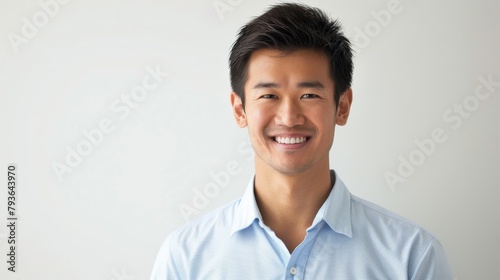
[349, 239]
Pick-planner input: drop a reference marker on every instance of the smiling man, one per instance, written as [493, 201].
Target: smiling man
[291, 71]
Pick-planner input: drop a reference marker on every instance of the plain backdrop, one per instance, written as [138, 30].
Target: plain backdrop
[106, 169]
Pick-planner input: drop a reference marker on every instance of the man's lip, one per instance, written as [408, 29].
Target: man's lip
[290, 135]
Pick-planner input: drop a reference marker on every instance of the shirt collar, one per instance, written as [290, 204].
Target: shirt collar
[247, 210]
[335, 211]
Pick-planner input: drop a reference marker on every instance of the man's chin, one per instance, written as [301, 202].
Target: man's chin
[291, 170]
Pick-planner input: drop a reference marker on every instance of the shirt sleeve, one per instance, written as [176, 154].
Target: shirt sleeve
[164, 267]
[433, 265]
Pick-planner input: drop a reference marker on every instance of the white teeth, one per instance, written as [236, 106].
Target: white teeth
[290, 140]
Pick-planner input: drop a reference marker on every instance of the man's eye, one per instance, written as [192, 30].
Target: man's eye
[269, 96]
[309, 95]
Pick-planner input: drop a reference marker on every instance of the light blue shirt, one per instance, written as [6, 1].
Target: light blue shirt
[349, 239]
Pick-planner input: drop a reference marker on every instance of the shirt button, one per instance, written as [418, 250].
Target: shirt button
[293, 270]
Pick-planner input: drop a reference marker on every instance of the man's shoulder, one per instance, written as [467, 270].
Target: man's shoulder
[392, 239]
[373, 217]
[219, 219]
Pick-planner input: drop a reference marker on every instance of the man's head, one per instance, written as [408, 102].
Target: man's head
[290, 27]
[292, 67]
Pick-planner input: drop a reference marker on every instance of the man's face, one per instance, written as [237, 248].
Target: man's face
[290, 110]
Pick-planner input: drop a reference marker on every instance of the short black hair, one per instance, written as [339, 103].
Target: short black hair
[289, 27]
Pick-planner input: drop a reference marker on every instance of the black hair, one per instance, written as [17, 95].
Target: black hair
[288, 27]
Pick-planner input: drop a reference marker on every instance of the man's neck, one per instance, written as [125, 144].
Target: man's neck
[289, 203]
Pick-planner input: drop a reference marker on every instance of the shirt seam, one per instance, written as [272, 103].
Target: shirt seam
[421, 258]
[172, 258]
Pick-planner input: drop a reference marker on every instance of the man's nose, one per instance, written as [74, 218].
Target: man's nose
[289, 113]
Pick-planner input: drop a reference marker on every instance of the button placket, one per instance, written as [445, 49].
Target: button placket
[298, 259]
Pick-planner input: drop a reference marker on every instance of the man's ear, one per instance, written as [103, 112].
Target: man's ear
[344, 107]
[238, 111]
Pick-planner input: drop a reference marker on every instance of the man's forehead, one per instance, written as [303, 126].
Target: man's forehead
[302, 68]
[305, 84]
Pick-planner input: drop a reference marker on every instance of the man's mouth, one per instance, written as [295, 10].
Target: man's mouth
[289, 140]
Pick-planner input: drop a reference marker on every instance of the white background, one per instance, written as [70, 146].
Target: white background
[107, 216]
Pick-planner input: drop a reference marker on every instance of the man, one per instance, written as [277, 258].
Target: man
[291, 72]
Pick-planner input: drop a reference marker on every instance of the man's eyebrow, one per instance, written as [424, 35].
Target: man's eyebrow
[266, 85]
[311, 84]
[308, 84]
